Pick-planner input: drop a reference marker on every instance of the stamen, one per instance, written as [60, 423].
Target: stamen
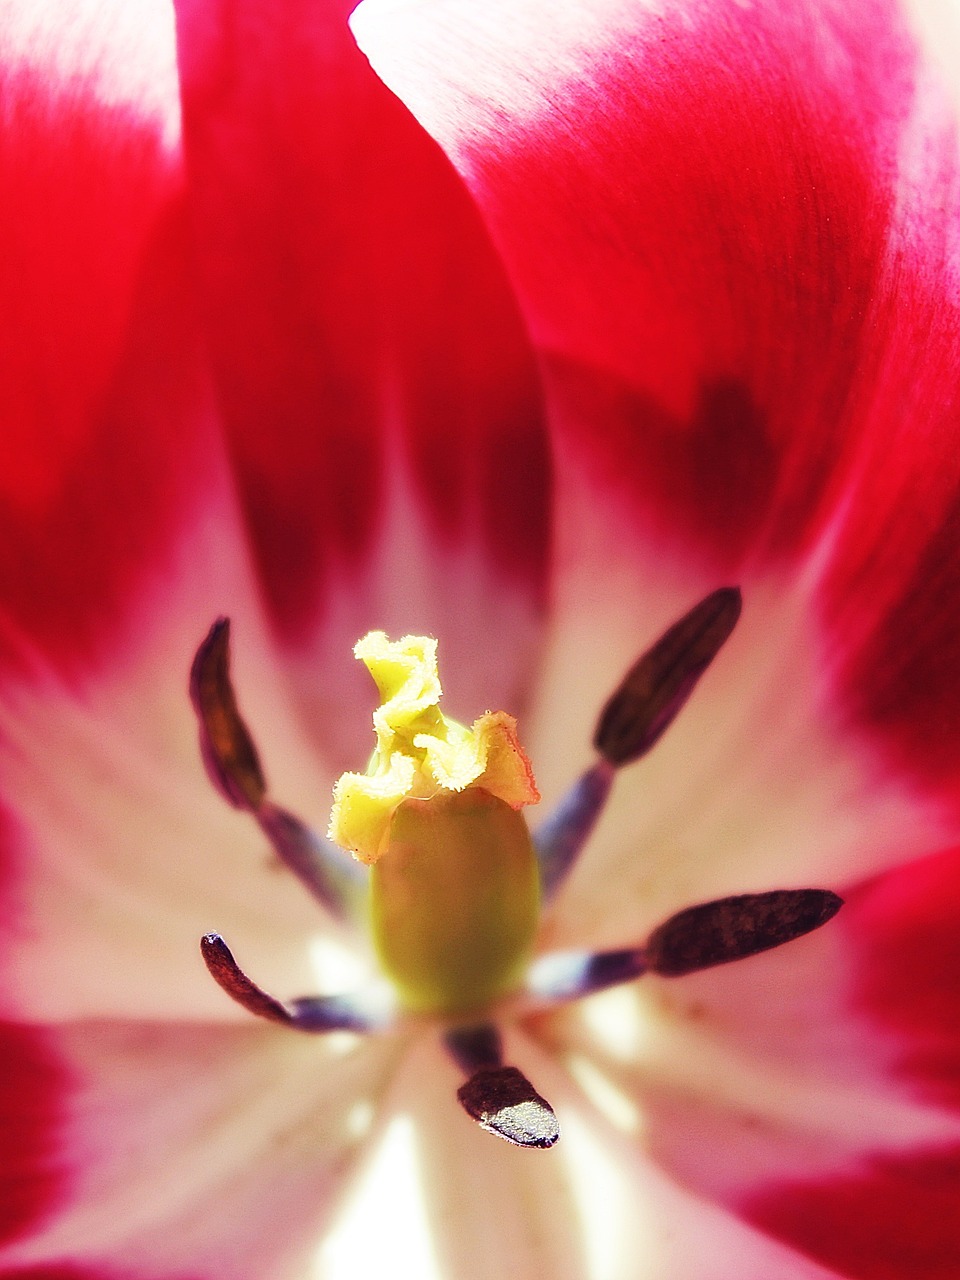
[503, 1101]
[365, 1011]
[698, 938]
[233, 765]
[476, 1046]
[734, 928]
[228, 749]
[227, 973]
[559, 840]
[568, 975]
[456, 884]
[649, 697]
[341, 883]
[656, 687]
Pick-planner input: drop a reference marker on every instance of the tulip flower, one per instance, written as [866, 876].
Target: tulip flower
[669, 324]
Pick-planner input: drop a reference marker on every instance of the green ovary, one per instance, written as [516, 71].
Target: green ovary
[455, 900]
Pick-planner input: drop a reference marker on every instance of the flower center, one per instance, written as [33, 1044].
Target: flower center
[454, 886]
[454, 882]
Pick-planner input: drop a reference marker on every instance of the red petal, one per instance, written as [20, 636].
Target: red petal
[69, 1271]
[113, 500]
[98, 376]
[357, 313]
[891, 608]
[904, 925]
[695, 206]
[739, 258]
[899, 1215]
[900, 1220]
[32, 1090]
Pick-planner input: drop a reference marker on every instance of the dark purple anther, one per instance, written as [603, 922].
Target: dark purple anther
[734, 928]
[656, 687]
[225, 742]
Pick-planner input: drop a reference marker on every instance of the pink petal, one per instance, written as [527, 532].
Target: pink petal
[119, 854]
[813, 1089]
[592, 1207]
[167, 1136]
[897, 1214]
[123, 538]
[110, 420]
[233, 1111]
[112, 467]
[759, 784]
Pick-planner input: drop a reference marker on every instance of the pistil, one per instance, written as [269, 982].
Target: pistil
[454, 891]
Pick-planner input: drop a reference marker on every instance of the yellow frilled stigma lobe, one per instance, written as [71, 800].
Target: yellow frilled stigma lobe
[420, 753]
[454, 882]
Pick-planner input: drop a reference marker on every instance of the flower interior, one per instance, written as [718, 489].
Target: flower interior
[446, 875]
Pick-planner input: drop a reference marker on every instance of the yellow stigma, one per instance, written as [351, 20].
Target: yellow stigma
[454, 890]
[420, 753]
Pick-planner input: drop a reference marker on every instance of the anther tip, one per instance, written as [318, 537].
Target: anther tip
[504, 1102]
[830, 904]
[732, 596]
[215, 642]
[217, 956]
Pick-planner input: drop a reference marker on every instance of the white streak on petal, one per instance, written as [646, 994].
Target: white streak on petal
[610, 1100]
[360, 1118]
[137, 72]
[635, 1223]
[409, 45]
[494, 1210]
[124, 854]
[384, 1228]
[937, 25]
[619, 1022]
